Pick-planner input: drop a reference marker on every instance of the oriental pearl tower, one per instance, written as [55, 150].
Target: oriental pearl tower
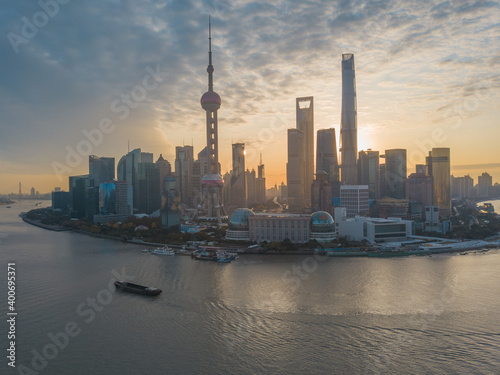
[212, 182]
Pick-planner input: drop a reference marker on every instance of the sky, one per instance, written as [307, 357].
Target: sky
[102, 77]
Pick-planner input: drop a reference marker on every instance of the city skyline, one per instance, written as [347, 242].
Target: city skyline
[56, 97]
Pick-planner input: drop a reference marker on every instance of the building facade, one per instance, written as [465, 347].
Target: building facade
[369, 172]
[326, 158]
[305, 123]
[321, 193]
[101, 169]
[484, 184]
[295, 171]
[354, 198]
[238, 177]
[440, 172]
[376, 230]
[349, 123]
[395, 173]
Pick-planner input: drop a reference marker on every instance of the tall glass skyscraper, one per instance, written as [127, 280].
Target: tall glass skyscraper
[305, 123]
[295, 171]
[238, 177]
[349, 122]
[326, 158]
[395, 173]
[369, 172]
[441, 193]
[101, 169]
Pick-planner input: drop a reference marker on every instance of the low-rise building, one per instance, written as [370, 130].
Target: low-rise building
[376, 230]
[245, 225]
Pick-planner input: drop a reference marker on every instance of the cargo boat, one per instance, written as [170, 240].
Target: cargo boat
[136, 288]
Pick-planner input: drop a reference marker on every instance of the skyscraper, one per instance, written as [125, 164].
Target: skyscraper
[484, 184]
[295, 170]
[441, 193]
[321, 193]
[128, 168]
[101, 169]
[165, 170]
[462, 187]
[251, 186]
[238, 177]
[348, 124]
[260, 184]
[395, 173]
[369, 172]
[183, 172]
[326, 158]
[305, 123]
[149, 197]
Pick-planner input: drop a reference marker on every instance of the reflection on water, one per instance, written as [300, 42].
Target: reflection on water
[260, 314]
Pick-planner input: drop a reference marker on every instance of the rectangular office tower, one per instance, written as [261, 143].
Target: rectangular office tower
[305, 123]
[101, 169]
[326, 154]
[440, 171]
[348, 123]
[369, 172]
[295, 171]
[184, 159]
[395, 173]
[238, 177]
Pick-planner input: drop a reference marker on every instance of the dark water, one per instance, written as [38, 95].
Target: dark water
[258, 315]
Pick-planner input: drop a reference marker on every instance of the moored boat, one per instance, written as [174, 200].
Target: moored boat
[163, 251]
[136, 288]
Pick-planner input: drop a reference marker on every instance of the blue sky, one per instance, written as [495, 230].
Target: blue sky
[426, 74]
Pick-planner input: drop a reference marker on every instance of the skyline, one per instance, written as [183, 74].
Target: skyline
[76, 72]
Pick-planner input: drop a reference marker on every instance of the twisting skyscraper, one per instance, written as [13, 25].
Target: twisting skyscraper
[348, 124]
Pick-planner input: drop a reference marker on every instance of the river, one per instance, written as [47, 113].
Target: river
[261, 314]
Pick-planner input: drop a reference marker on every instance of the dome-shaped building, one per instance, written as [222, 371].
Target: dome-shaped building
[238, 228]
[322, 227]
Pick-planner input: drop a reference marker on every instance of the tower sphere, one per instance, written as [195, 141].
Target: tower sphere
[210, 101]
[212, 180]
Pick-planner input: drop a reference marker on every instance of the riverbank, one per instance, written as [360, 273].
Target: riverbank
[424, 249]
[56, 228]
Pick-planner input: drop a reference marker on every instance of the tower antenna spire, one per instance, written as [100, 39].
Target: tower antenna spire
[210, 67]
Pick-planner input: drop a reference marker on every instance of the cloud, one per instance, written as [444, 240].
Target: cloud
[413, 60]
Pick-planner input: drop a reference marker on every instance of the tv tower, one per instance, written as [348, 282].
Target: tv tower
[212, 182]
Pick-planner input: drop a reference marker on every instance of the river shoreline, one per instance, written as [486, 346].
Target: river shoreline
[461, 247]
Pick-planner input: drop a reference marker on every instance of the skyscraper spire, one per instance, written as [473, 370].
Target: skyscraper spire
[210, 67]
